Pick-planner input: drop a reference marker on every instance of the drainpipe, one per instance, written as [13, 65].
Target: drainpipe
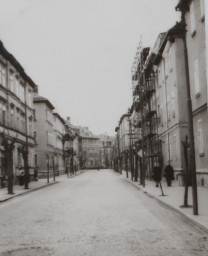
[190, 120]
[167, 112]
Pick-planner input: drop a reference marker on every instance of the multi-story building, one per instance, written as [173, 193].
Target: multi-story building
[16, 113]
[74, 144]
[59, 132]
[91, 149]
[124, 132]
[171, 97]
[45, 135]
[193, 14]
[124, 142]
[106, 150]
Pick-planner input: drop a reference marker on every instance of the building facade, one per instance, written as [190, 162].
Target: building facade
[171, 98]
[59, 132]
[16, 115]
[45, 135]
[193, 13]
[106, 151]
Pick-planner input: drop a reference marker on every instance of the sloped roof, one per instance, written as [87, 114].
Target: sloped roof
[16, 64]
[40, 99]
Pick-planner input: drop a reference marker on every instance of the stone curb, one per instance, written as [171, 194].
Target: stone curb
[34, 189]
[186, 217]
[28, 191]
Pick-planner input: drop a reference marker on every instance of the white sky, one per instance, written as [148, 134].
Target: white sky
[80, 52]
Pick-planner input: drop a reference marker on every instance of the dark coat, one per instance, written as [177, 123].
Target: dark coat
[169, 172]
[157, 171]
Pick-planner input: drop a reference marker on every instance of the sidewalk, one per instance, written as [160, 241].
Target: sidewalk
[34, 185]
[174, 197]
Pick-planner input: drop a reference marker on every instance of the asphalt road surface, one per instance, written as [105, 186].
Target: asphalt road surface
[97, 214]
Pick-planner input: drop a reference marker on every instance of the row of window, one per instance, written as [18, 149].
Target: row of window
[16, 119]
[15, 85]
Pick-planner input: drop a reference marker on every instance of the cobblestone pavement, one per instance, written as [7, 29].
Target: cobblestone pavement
[99, 214]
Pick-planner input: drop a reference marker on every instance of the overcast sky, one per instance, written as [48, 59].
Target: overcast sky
[80, 52]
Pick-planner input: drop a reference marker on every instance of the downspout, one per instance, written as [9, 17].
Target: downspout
[167, 112]
[190, 120]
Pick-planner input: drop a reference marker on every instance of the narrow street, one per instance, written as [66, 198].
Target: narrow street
[95, 214]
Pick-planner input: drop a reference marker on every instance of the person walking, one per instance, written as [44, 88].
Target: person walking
[156, 175]
[169, 174]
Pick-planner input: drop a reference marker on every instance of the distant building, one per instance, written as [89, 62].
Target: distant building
[16, 114]
[45, 136]
[59, 132]
[106, 150]
[74, 144]
[91, 149]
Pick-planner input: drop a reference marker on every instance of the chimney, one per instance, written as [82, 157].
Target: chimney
[68, 118]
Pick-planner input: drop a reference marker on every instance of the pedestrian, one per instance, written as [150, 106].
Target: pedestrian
[21, 176]
[169, 174]
[156, 175]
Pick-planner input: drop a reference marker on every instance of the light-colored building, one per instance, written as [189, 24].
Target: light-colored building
[45, 135]
[124, 132]
[91, 149]
[124, 142]
[171, 97]
[59, 132]
[74, 144]
[106, 150]
[16, 113]
[194, 14]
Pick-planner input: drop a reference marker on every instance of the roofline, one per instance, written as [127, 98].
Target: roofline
[122, 117]
[8, 56]
[176, 31]
[62, 120]
[44, 101]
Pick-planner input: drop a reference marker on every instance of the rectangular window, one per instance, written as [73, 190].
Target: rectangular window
[196, 77]
[30, 99]
[11, 81]
[12, 118]
[17, 85]
[192, 17]
[49, 117]
[21, 93]
[3, 80]
[200, 136]
[50, 139]
[2, 113]
[2, 75]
